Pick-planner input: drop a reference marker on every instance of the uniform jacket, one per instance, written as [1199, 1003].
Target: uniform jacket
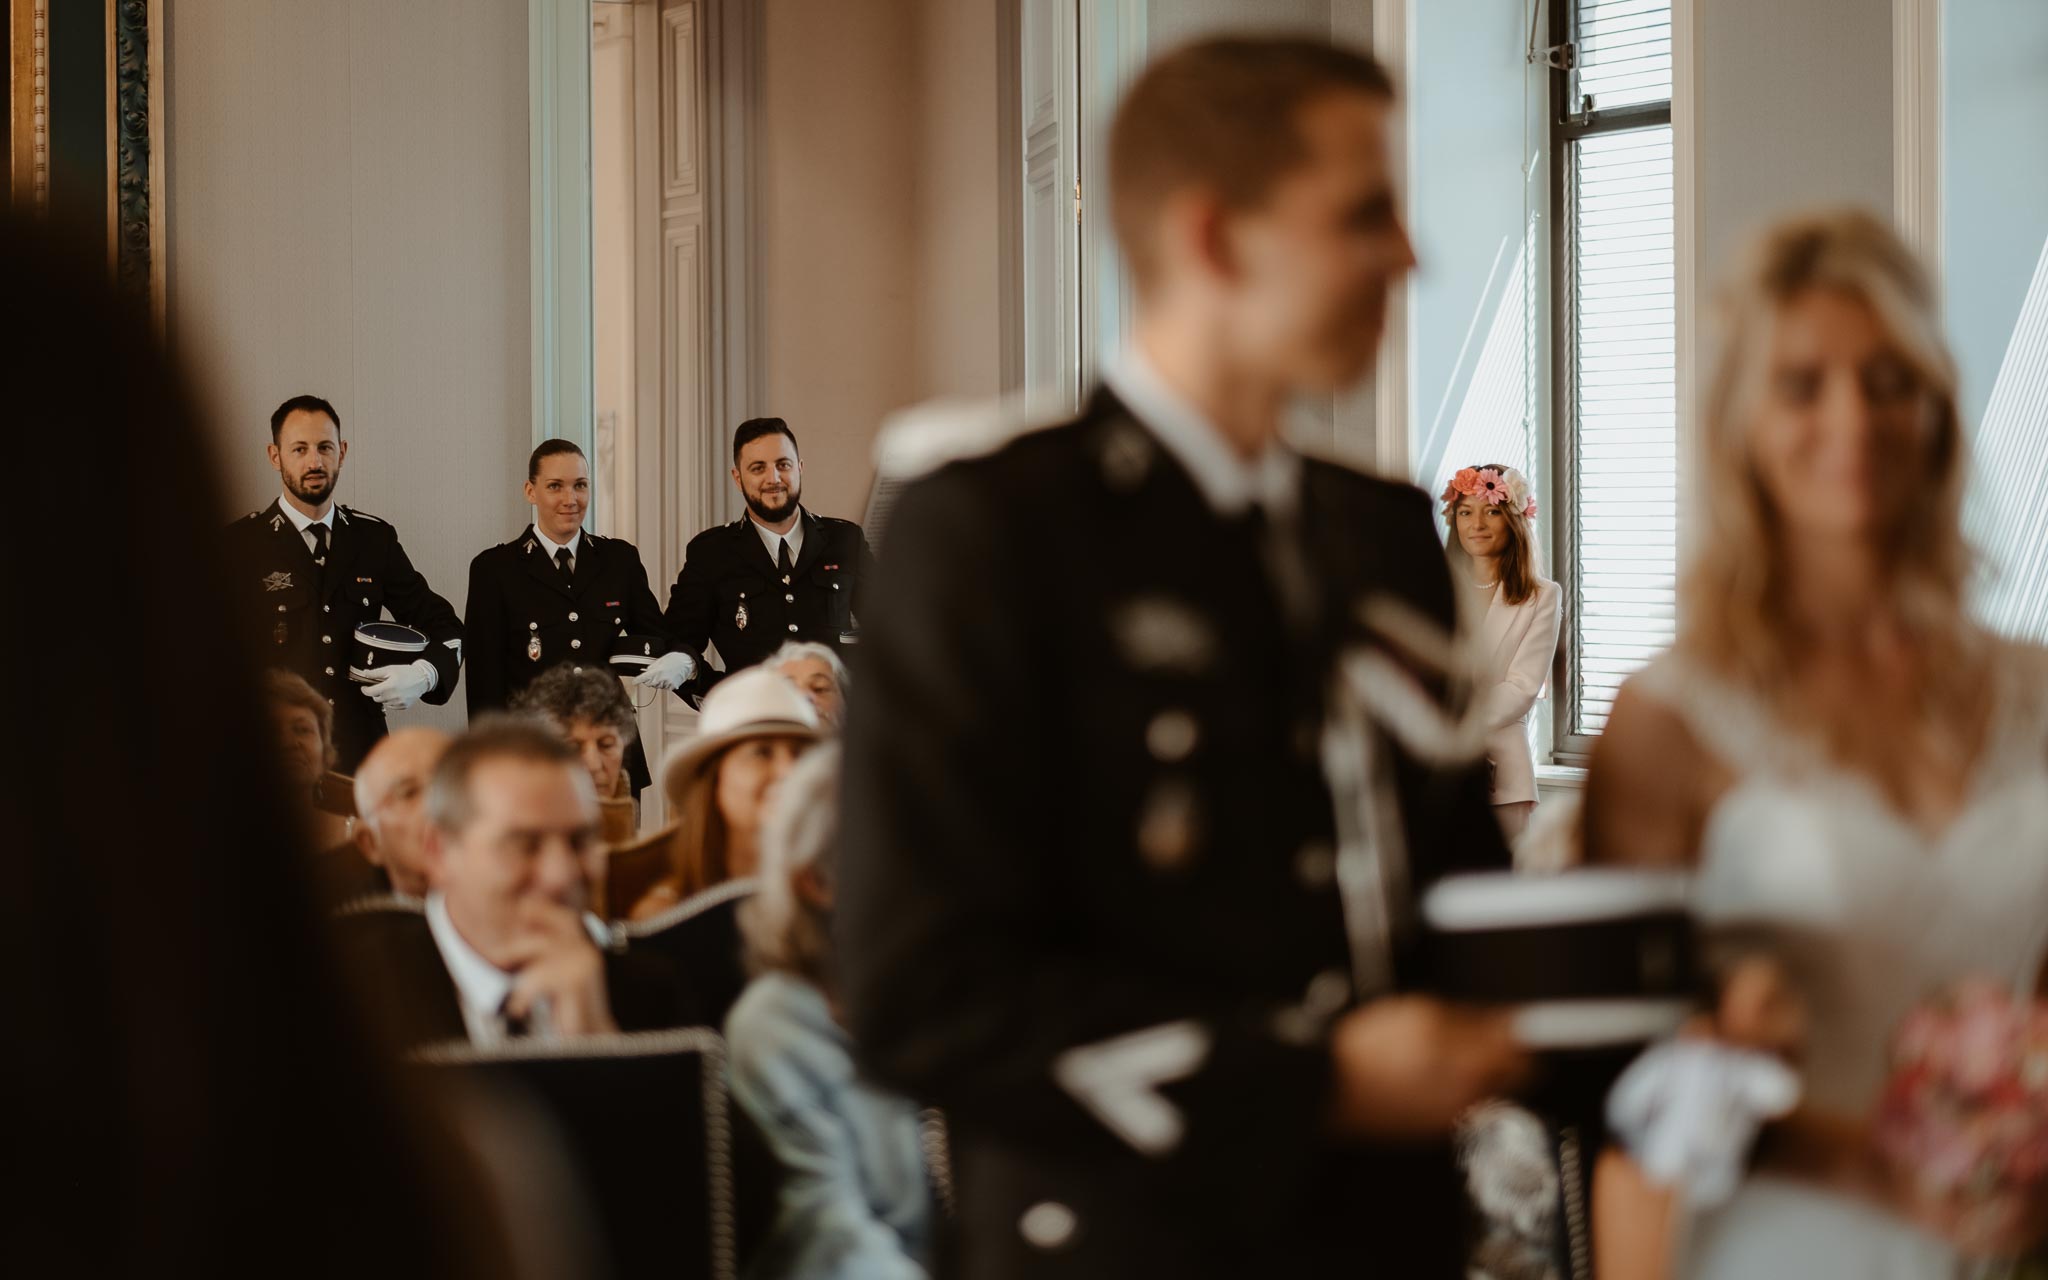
[731, 595]
[523, 618]
[303, 617]
[1089, 904]
[1515, 644]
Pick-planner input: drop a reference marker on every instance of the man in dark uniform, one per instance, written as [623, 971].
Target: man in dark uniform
[306, 571]
[559, 593]
[1129, 869]
[778, 573]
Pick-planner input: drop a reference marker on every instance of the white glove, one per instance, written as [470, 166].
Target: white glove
[669, 671]
[1689, 1111]
[400, 687]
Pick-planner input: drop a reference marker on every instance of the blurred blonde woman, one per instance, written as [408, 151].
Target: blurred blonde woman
[1513, 612]
[855, 1200]
[1858, 773]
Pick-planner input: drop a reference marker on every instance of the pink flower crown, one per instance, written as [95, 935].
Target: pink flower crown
[1502, 487]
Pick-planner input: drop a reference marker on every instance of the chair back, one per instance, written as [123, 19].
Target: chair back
[631, 869]
[700, 938]
[337, 794]
[646, 1130]
[618, 820]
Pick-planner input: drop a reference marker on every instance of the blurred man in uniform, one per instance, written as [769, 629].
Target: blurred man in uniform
[1127, 880]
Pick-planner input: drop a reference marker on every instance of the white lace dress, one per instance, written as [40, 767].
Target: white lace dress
[1870, 914]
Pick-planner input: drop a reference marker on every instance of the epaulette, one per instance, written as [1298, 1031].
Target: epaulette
[352, 513]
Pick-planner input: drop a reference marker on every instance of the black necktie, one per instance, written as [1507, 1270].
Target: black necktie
[565, 564]
[517, 1026]
[319, 532]
[783, 565]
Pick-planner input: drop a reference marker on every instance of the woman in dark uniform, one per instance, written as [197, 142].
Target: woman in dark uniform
[557, 593]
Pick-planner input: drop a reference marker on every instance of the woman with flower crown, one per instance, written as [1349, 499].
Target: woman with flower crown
[1856, 772]
[1513, 615]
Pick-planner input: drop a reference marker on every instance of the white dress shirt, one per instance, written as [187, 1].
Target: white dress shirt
[773, 540]
[480, 986]
[304, 523]
[574, 546]
[1231, 483]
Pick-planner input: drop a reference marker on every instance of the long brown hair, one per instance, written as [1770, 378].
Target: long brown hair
[697, 856]
[1735, 620]
[1517, 564]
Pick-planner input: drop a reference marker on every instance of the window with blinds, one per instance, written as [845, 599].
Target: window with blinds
[1617, 430]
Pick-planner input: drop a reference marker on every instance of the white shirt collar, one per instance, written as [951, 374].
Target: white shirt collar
[1229, 483]
[551, 546]
[480, 986]
[300, 520]
[769, 538]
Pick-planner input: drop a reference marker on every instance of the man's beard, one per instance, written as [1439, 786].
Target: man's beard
[311, 497]
[775, 515]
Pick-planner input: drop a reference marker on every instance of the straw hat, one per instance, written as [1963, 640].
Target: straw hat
[754, 703]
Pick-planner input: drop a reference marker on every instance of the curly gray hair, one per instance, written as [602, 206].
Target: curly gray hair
[566, 694]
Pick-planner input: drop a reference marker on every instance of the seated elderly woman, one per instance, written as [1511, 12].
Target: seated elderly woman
[751, 729]
[855, 1197]
[589, 707]
[304, 725]
[816, 669]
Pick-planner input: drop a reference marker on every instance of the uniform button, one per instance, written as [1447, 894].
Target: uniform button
[1171, 736]
[835, 586]
[330, 671]
[1315, 865]
[1048, 1225]
[533, 626]
[280, 608]
[572, 615]
[330, 702]
[366, 602]
[1168, 827]
[789, 599]
[577, 671]
[575, 644]
[615, 622]
[325, 608]
[326, 639]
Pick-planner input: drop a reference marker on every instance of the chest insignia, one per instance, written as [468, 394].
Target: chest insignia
[739, 616]
[533, 648]
[1158, 634]
[279, 581]
[276, 523]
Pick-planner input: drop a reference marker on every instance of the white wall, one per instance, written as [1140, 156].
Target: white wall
[1467, 200]
[1795, 109]
[347, 204]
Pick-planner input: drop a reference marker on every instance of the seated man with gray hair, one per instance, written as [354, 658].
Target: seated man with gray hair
[818, 671]
[504, 948]
[391, 809]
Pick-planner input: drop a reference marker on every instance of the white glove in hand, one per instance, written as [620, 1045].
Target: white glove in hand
[669, 671]
[400, 687]
[1688, 1111]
